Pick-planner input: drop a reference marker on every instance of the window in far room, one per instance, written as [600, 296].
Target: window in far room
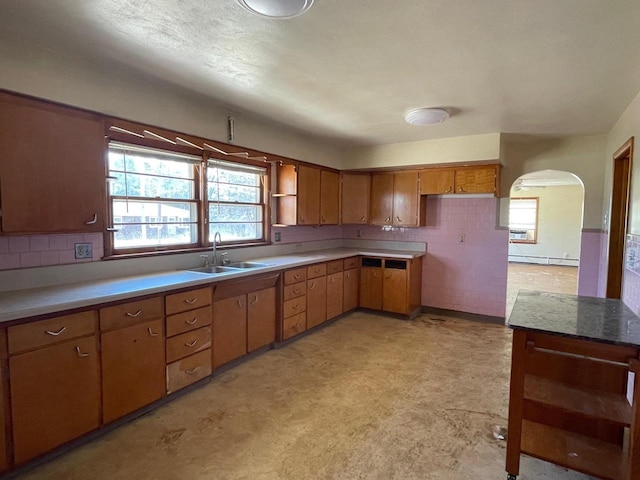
[523, 220]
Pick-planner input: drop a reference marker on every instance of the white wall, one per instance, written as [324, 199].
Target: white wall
[471, 148]
[582, 156]
[36, 71]
[559, 227]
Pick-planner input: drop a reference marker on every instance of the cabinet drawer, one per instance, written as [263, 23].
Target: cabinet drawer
[350, 263]
[294, 291]
[130, 313]
[188, 343]
[181, 302]
[54, 330]
[318, 270]
[183, 322]
[294, 306]
[335, 266]
[295, 276]
[292, 326]
[188, 370]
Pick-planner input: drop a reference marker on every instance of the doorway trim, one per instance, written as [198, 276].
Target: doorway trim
[620, 197]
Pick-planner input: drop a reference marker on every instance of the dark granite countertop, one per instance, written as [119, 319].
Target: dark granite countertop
[589, 318]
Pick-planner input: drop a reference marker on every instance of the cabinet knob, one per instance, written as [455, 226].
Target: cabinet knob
[387, 220]
[312, 286]
[295, 307]
[93, 220]
[55, 334]
[296, 276]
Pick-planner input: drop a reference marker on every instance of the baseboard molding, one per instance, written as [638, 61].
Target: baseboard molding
[475, 317]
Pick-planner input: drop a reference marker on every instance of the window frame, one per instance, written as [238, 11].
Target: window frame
[203, 242]
[528, 241]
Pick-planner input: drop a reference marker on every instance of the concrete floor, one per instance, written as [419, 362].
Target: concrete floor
[367, 397]
[544, 278]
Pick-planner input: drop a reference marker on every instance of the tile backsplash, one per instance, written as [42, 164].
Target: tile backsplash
[42, 250]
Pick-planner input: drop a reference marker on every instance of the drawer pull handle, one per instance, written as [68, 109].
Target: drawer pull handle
[151, 332]
[93, 220]
[460, 189]
[255, 300]
[137, 314]
[191, 322]
[240, 304]
[363, 218]
[191, 344]
[80, 354]
[375, 274]
[192, 371]
[55, 334]
[398, 218]
[295, 307]
[387, 220]
[296, 290]
[348, 275]
[191, 302]
[448, 190]
[312, 286]
[296, 276]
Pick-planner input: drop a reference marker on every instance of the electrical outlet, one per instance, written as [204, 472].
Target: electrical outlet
[84, 250]
[278, 236]
[358, 233]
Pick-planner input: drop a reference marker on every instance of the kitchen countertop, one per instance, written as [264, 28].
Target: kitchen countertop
[21, 304]
[601, 320]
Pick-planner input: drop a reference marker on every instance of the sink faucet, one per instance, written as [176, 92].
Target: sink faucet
[216, 240]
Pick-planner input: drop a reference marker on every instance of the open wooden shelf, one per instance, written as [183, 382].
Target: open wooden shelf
[590, 403]
[574, 451]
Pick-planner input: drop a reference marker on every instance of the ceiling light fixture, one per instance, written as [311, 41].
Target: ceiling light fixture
[426, 116]
[277, 8]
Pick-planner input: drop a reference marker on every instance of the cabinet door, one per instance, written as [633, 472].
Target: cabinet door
[261, 318]
[329, 198]
[355, 198]
[316, 301]
[133, 368]
[55, 396]
[335, 294]
[405, 199]
[436, 181]
[52, 168]
[351, 282]
[371, 288]
[477, 179]
[308, 195]
[229, 329]
[382, 199]
[394, 291]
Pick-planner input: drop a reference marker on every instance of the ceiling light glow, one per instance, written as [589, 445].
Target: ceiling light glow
[277, 8]
[426, 116]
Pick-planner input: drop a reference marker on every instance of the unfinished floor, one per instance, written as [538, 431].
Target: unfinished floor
[367, 397]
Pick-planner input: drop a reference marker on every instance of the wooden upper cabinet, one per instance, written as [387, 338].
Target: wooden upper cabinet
[461, 180]
[329, 197]
[355, 197]
[406, 199]
[52, 168]
[436, 181]
[381, 198]
[482, 179]
[308, 195]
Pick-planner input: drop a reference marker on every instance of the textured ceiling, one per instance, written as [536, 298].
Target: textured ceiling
[349, 70]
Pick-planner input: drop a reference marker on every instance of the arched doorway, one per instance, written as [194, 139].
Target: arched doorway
[545, 229]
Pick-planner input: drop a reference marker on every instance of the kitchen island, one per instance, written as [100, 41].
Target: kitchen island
[573, 393]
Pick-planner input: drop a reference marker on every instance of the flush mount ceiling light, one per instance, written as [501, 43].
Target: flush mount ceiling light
[277, 8]
[426, 116]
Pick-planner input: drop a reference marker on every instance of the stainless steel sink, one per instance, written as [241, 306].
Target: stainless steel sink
[247, 265]
[211, 270]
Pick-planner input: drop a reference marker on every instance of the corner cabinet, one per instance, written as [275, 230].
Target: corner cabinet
[60, 154]
[461, 180]
[395, 200]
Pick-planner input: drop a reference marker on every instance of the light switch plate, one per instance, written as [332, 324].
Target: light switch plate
[84, 250]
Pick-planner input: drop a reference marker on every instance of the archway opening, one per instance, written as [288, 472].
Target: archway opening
[545, 229]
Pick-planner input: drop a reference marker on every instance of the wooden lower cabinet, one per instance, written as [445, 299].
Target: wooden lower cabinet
[229, 329]
[188, 370]
[316, 301]
[371, 286]
[261, 318]
[335, 294]
[394, 289]
[391, 285]
[55, 396]
[133, 368]
[351, 286]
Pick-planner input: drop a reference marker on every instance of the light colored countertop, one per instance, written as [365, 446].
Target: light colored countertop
[21, 304]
